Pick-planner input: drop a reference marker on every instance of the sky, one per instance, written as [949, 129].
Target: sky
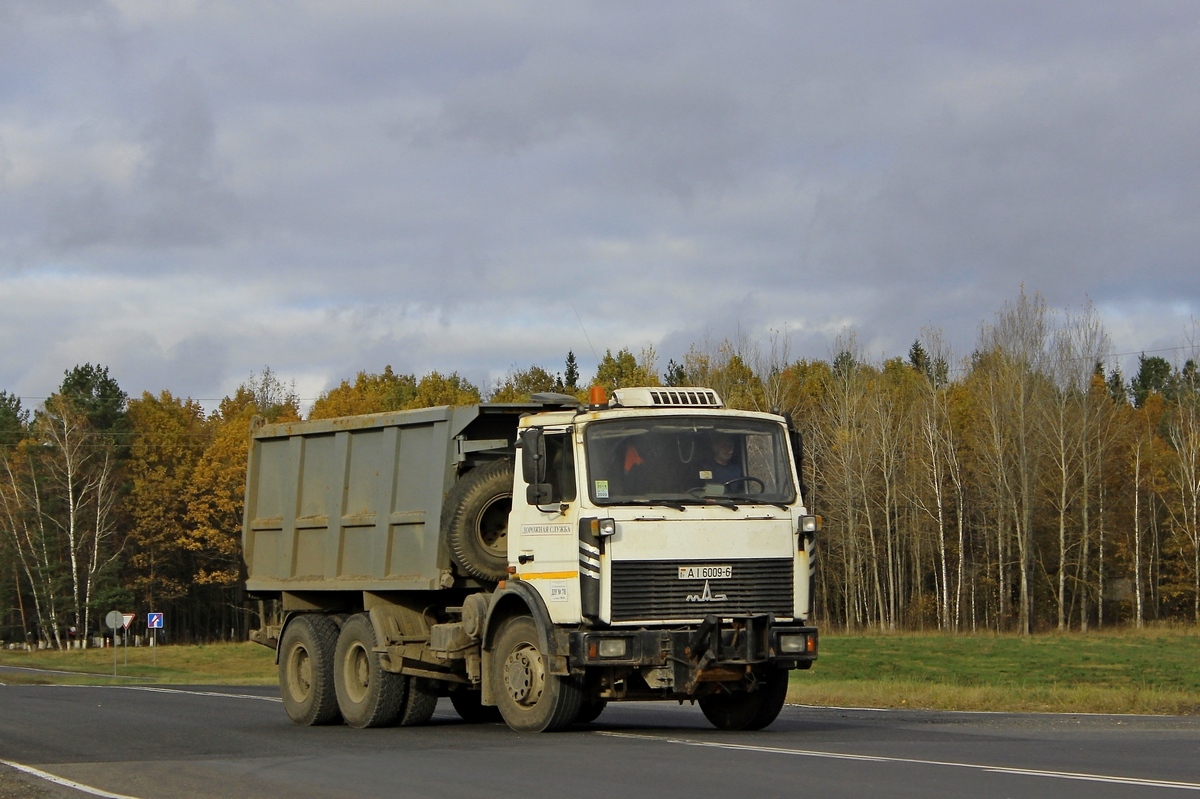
[193, 191]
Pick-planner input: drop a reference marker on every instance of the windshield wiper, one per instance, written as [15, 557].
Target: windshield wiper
[723, 500]
[755, 499]
[674, 504]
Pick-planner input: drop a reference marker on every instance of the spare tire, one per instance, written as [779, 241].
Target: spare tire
[475, 520]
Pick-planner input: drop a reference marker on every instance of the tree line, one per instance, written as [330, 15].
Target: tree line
[1024, 486]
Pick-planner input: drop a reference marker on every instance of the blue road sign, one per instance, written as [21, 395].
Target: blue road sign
[154, 621]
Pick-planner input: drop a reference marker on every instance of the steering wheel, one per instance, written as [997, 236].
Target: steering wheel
[762, 487]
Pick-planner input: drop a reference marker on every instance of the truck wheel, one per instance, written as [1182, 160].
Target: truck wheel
[590, 711]
[475, 520]
[751, 710]
[470, 708]
[420, 700]
[306, 670]
[367, 695]
[529, 697]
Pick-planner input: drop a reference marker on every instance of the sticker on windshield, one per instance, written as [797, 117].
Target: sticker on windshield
[601, 489]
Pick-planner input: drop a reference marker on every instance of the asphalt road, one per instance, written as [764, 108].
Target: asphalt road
[202, 743]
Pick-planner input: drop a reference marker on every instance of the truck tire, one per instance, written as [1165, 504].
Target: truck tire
[420, 700]
[529, 697]
[367, 695]
[748, 710]
[475, 520]
[470, 708]
[306, 670]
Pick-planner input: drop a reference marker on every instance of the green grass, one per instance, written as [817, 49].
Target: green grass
[213, 664]
[1126, 671]
[1149, 671]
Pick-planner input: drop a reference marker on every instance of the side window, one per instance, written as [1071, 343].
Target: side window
[763, 462]
[560, 473]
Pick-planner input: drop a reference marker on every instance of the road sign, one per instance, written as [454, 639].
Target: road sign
[128, 618]
[114, 619]
[154, 621]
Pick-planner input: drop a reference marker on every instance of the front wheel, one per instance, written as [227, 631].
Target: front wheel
[748, 710]
[530, 698]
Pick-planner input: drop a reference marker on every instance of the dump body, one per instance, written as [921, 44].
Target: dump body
[355, 503]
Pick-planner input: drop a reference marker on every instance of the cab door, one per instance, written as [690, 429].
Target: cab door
[543, 527]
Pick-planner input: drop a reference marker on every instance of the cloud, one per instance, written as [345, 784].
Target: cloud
[191, 191]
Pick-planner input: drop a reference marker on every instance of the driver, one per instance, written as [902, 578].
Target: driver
[720, 467]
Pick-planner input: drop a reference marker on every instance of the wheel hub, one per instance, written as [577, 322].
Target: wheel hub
[300, 673]
[358, 673]
[525, 676]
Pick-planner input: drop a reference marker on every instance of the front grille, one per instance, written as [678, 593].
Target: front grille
[650, 590]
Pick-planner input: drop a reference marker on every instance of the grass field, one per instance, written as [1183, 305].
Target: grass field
[1127, 671]
[211, 664]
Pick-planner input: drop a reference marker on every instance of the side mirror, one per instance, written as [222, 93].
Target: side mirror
[533, 457]
[538, 494]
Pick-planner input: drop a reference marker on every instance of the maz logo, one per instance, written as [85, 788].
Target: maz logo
[706, 595]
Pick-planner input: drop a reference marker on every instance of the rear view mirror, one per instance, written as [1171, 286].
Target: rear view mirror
[533, 458]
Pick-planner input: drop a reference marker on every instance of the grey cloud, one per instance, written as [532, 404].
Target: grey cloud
[433, 186]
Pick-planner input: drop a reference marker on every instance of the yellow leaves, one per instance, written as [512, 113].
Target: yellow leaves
[370, 393]
[388, 391]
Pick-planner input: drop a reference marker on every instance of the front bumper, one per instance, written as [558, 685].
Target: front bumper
[681, 659]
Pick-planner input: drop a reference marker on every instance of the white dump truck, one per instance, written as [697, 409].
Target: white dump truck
[533, 561]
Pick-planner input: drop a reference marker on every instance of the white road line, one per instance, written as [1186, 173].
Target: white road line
[78, 786]
[158, 690]
[1058, 775]
[193, 693]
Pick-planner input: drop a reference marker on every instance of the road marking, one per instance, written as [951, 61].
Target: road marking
[194, 693]
[78, 786]
[775, 750]
[156, 689]
[32, 670]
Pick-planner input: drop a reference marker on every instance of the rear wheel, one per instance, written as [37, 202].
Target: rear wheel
[748, 710]
[530, 698]
[367, 695]
[306, 670]
[420, 700]
[469, 706]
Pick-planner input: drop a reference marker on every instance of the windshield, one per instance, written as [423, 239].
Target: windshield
[688, 460]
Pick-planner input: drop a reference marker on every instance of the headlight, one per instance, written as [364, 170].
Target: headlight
[794, 644]
[607, 647]
[810, 524]
[608, 527]
[613, 647]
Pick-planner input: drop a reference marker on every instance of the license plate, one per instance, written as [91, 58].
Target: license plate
[705, 572]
